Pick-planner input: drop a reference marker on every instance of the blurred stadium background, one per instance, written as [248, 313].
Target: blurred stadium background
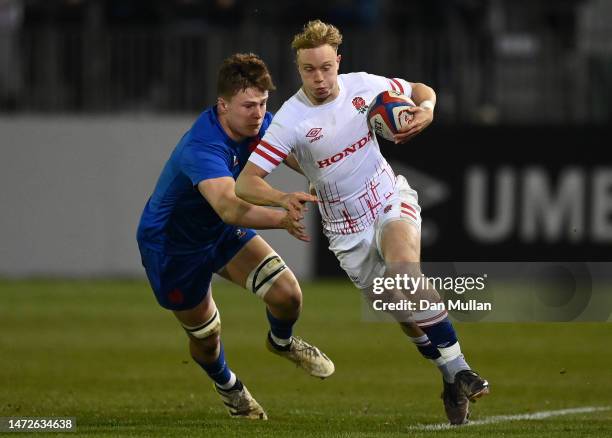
[517, 166]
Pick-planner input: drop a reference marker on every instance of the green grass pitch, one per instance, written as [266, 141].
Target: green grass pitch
[105, 353]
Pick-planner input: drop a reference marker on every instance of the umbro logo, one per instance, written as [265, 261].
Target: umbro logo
[314, 134]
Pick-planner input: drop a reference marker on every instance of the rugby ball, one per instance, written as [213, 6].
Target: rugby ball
[388, 114]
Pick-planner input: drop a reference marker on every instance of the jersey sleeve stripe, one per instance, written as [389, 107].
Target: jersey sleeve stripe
[408, 207]
[399, 85]
[392, 85]
[407, 213]
[273, 149]
[261, 153]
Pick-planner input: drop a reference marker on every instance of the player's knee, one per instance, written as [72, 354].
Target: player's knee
[285, 294]
[206, 337]
[409, 269]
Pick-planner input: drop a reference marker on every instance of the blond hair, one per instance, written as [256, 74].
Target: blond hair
[315, 34]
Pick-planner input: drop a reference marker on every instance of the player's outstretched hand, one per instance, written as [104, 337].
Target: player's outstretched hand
[295, 227]
[295, 204]
[421, 119]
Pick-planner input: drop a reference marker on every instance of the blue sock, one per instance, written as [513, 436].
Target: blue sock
[426, 348]
[280, 329]
[218, 370]
[442, 334]
[429, 351]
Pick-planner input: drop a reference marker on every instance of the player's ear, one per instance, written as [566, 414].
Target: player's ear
[221, 105]
[338, 58]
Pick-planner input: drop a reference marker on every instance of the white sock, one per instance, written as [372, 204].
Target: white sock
[454, 361]
[279, 341]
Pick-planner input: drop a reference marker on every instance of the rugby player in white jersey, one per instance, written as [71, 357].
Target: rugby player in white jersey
[370, 216]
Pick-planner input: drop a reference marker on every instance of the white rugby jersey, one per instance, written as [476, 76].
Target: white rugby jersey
[336, 150]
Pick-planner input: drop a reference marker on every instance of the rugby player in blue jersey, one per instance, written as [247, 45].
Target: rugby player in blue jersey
[194, 225]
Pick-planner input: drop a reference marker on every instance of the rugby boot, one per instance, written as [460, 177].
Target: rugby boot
[241, 404]
[305, 356]
[456, 406]
[471, 385]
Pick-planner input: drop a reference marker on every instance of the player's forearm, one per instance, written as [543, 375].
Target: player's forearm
[422, 93]
[248, 215]
[255, 190]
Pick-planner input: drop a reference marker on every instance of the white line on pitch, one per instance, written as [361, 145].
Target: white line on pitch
[503, 418]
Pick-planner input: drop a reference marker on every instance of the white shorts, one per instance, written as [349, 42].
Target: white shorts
[359, 254]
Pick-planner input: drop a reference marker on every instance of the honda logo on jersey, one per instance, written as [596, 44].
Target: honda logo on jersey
[345, 152]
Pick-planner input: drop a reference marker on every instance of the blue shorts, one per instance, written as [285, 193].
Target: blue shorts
[180, 282]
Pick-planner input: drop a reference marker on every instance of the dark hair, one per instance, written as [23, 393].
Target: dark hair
[241, 71]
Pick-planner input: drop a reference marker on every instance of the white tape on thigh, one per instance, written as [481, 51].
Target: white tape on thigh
[261, 279]
[209, 328]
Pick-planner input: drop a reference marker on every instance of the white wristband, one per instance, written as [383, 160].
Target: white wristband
[427, 105]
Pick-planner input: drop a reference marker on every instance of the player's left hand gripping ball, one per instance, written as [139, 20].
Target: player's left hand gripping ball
[421, 119]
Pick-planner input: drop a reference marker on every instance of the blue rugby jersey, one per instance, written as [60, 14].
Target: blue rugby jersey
[177, 219]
